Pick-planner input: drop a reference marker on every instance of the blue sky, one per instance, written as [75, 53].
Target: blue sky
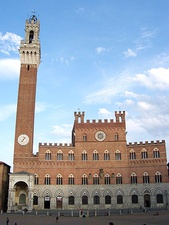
[98, 57]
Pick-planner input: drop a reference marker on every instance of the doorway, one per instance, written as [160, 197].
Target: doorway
[147, 202]
[47, 202]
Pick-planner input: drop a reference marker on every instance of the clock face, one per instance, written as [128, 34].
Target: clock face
[23, 139]
[100, 136]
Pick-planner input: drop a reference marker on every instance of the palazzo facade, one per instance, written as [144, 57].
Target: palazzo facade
[97, 170]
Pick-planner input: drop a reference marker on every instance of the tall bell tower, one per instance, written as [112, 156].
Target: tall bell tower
[30, 54]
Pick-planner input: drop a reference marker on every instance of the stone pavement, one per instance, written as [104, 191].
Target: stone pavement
[124, 219]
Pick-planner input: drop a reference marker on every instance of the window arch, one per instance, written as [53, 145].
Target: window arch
[117, 155]
[36, 179]
[59, 155]
[107, 200]
[159, 198]
[84, 200]
[71, 179]
[59, 179]
[22, 199]
[48, 155]
[132, 154]
[144, 154]
[31, 36]
[96, 200]
[47, 179]
[106, 155]
[156, 153]
[116, 136]
[158, 177]
[134, 199]
[146, 178]
[84, 137]
[35, 200]
[107, 179]
[71, 200]
[95, 155]
[84, 155]
[95, 179]
[119, 199]
[133, 178]
[71, 155]
[118, 178]
[84, 179]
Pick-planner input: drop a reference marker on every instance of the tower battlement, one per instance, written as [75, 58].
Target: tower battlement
[55, 145]
[157, 142]
[120, 118]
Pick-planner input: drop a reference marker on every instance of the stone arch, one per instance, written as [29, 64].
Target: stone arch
[107, 192]
[96, 192]
[47, 192]
[119, 192]
[84, 192]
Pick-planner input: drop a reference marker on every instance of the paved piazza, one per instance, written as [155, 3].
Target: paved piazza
[124, 219]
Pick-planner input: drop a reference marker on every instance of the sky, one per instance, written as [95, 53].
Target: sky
[96, 56]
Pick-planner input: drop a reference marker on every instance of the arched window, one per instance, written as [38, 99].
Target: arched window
[116, 137]
[106, 155]
[134, 199]
[84, 179]
[31, 35]
[22, 199]
[71, 179]
[119, 199]
[96, 200]
[71, 155]
[158, 177]
[84, 200]
[118, 179]
[96, 179]
[117, 155]
[59, 155]
[146, 178]
[47, 179]
[35, 200]
[156, 153]
[95, 155]
[159, 198]
[84, 155]
[59, 179]
[144, 154]
[84, 137]
[36, 179]
[48, 155]
[107, 200]
[107, 179]
[133, 178]
[71, 200]
[132, 154]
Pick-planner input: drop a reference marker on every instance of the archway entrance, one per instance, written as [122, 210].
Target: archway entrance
[21, 195]
[147, 201]
[59, 202]
[47, 202]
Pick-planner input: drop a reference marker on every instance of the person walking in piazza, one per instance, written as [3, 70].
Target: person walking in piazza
[7, 221]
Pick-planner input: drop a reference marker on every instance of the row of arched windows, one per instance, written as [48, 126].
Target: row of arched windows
[108, 199]
[106, 155]
[96, 179]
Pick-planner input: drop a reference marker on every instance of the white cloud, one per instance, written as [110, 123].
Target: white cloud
[65, 61]
[104, 113]
[100, 50]
[9, 43]
[40, 107]
[9, 68]
[155, 78]
[6, 111]
[63, 131]
[130, 53]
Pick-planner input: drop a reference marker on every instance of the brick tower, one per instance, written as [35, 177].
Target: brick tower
[30, 53]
